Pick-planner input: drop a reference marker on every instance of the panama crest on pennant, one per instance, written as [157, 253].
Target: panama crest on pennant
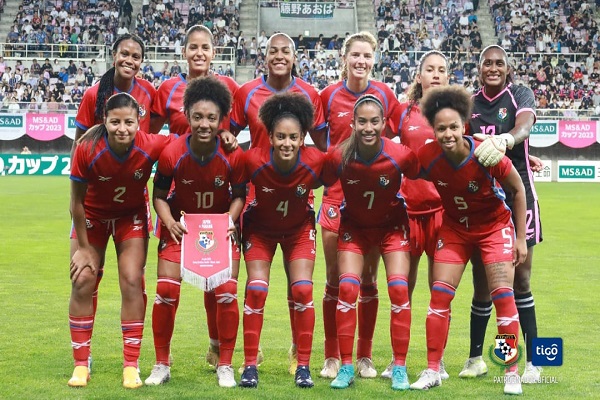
[206, 242]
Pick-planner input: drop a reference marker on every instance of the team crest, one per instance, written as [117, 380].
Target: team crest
[473, 186]
[384, 180]
[219, 181]
[502, 113]
[505, 351]
[206, 242]
[332, 213]
[142, 111]
[301, 190]
[138, 174]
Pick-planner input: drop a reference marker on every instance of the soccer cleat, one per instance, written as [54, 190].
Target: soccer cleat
[131, 378]
[160, 374]
[473, 368]
[365, 368]
[249, 377]
[303, 378]
[225, 376]
[427, 379]
[330, 368]
[387, 373]
[212, 355]
[531, 374]
[293, 359]
[512, 383]
[81, 376]
[344, 378]
[443, 373]
[259, 360]
[399, 378]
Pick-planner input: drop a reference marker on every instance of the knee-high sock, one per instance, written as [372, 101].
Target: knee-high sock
[210, 305]
[132, 341]
[400, 317]
[163, 316]
[437, 322]
[527, 319]
[95, 294]
[228, 319]
[81, 337]
[304, 317]
[330, 299]
[480, 315]
[368, 304]
[345, 315]
[507, 316]
[256, 296]
[290, 302]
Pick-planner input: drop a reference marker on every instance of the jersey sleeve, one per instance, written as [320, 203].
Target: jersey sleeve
[409, 163]
[237, 116]
[159, 103]
[85, 115]
[164, 170]
[79, 166]
[237, 168]
[319, 117]
[331, 168]
[501, 170]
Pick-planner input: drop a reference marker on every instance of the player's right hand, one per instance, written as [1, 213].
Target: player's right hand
[177, 230]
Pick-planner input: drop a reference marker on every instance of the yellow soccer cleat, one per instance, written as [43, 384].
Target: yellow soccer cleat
[131, 378]
[292, 359]
[81, 376]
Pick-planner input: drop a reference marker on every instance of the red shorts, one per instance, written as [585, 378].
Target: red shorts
[329, 217]
[424, 232]
[171, 251]
[296, 246]
[121, 229]
[361, 240]
[455, 246]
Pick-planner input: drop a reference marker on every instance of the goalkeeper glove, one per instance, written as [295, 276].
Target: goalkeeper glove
[493, 148]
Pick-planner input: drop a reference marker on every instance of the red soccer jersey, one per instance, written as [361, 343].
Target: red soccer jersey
[472, 197]
[116, 185]
[281, 205]
[414, 131]
[200, 187]
[338, 104]
[252, 95]
[371, 186]
[168, 102]
[141, 90]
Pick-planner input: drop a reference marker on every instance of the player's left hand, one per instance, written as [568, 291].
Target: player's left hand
[520, 252]
[492, 148]
[230, 142]
[535, 164]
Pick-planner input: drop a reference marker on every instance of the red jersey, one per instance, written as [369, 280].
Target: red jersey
[414, 131]
[338, 104]
[281, 204]
[168, 102]
[141, 90]
[252, 95]
[371, 186]
[471, 194]
[116, 185]
[200, 187]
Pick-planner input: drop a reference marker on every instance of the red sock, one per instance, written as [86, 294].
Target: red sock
[81, 337]
[345, 315]
[132, 341]
[290, 301]
[330, 299]
[368, 304]
[163, 316]
[507, 316]
[256, 296]
[210, 305]
[304, 316]
[437, 322]
[228, 319]
[95, 294]
[400, 316]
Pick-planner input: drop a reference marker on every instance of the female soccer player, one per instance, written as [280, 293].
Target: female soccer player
[507, 112]
[202, 172]
[370, 169]
[358, 57]
[111, 165]
[168, 107]
[475, 217]
[281, 214]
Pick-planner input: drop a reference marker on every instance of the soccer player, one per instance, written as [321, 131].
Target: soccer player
[111, 165]
[358, 57]
[374, 219]
[167, 106]
[281, 214]
[475, 217]
[280, 60]
[202, 172]
[507, 112]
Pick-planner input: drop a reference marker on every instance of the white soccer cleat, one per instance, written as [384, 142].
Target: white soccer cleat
[365, 368]
[532, 374]
[427, 379]
[160, 374]
[512, 383]
[443, 373]
[473, 368]
[225, 376]
[387, 373]
[330, 368]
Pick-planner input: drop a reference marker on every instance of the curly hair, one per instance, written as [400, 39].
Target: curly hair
[366, 37]
[287, 105]
[454, 97]
[209, 89]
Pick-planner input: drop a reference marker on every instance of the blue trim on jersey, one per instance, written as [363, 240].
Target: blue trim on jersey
[371, 161]
[272, 162]
[135, 82]
[171, 93]
[81, 126]
[98, 155]
[386, 155]
[78, 179]
[196, 159]
[114, 155]
[250, 94]
[260, 169]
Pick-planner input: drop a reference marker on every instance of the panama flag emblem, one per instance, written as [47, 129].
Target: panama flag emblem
[206, 241]
[506, 348]
[502, 113]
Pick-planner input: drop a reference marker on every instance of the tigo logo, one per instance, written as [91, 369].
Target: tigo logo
[547, 352]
